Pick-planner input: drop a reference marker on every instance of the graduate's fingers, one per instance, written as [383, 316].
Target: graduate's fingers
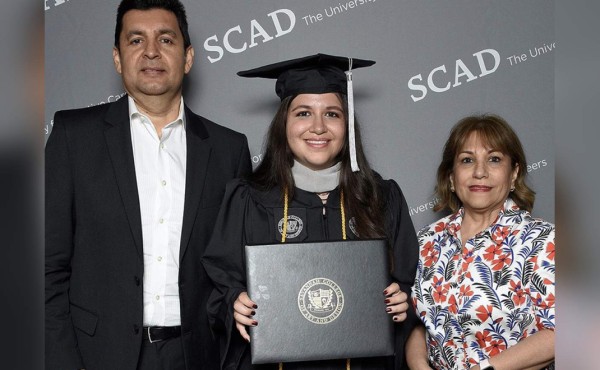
[393, 288]
[244, 305]
[397, 305]
[400, 317]
[398, 311]
[246, 301]
[243, 332]
[244, 320]
[396, 298]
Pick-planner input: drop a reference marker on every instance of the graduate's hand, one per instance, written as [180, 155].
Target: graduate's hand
[396, 302]
[243, 310]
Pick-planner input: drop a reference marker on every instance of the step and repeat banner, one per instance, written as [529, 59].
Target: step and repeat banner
[436, 62]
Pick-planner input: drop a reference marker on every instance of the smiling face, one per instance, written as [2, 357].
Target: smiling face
[151, 57]
[316, 129]
[482, 176]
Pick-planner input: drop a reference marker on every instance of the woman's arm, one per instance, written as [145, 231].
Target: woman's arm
[416, 349]
[534, 352]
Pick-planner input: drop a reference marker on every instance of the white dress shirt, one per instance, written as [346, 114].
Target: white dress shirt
[160, 164]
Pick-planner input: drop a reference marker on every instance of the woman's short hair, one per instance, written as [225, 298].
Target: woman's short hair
[496, 133]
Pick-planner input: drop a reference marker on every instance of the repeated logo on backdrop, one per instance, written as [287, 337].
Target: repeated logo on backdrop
[440, 79]
[48, 4]
[280, 22]
[361, 28]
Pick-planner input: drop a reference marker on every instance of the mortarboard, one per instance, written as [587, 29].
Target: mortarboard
[315, 74]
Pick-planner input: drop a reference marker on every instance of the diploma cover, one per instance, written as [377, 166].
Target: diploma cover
[319, 301]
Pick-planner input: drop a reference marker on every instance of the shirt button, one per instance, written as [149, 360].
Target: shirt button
[157, 297]
[161, 220]
[162, 146]
[164, 183]
[159, 258]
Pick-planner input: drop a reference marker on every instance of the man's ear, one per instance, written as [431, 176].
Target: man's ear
[189, 59]
[117, 59]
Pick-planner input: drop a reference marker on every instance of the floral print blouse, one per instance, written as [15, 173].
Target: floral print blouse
[479, 299]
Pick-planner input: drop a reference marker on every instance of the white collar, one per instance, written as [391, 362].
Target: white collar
[316, 181]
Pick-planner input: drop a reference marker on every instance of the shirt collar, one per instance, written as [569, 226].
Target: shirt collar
[499, 229]
[134, 112]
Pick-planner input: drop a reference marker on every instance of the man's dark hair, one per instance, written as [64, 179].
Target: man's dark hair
[174, 6]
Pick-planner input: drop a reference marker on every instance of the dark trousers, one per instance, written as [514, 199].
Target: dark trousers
[163, 355]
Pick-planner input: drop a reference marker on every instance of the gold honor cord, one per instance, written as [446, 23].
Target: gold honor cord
[284, 235]
[285, 216]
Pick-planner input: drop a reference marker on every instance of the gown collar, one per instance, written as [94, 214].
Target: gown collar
[316, 181]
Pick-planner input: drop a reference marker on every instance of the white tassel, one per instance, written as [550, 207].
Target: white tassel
[351, 134]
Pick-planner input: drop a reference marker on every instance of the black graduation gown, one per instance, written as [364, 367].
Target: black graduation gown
[250, 216]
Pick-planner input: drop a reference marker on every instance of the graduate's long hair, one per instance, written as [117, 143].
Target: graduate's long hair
[362, 195]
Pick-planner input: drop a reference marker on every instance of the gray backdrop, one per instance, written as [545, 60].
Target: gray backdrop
[437, 61]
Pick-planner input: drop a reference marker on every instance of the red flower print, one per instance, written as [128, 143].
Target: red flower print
[483, 337]
[539, 324]
[492, 251]
[431, 258]
[452, 304]
[502, 260]
[429, 253]
[465, 291]
[484, 312]
[453, 229]
[519, 296]
[500, 234]
[427, 249]
[495, 347]
[468, 275]
[437, 281]
[439, 227]
[550, 251]
[545, 304]
[439, 295]
[441, 289]
[468, 257]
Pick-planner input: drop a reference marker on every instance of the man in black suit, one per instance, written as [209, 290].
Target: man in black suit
[132, 192]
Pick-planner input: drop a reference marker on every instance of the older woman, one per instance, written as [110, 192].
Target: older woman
[485, 280]
[314, 168]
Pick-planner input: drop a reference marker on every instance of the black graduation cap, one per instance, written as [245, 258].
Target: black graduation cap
[315, 74]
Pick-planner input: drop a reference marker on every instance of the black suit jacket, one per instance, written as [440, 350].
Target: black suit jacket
[94, 258]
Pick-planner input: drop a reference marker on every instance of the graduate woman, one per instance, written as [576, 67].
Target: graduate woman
[314, 172]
